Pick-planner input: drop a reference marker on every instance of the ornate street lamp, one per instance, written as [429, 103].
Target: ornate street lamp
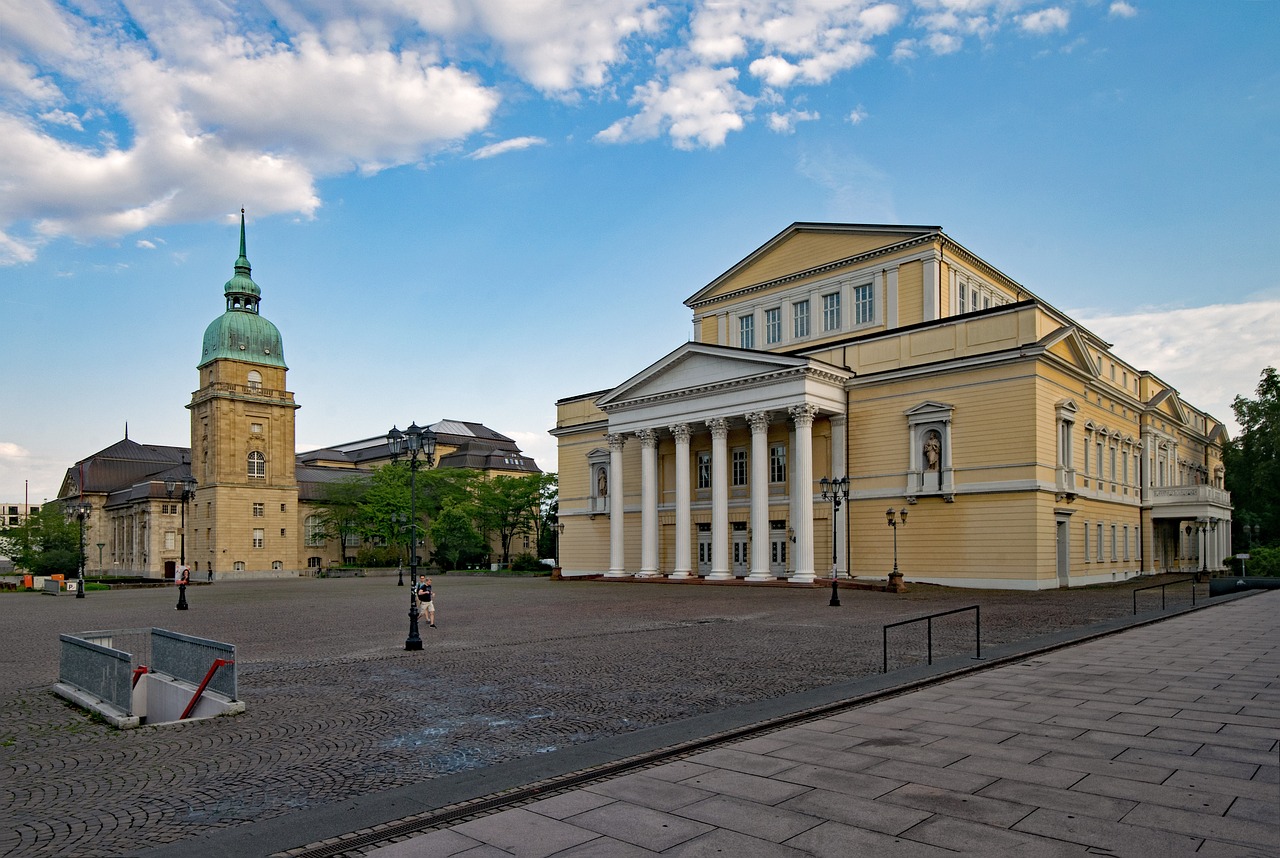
[417, 442]
[82, 510]
[558, 527]
[399, 522]
[186, 490]
[836, 490]
[895, 519]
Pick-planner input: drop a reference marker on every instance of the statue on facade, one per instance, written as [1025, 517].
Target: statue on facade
[932, 450]
[602, 483]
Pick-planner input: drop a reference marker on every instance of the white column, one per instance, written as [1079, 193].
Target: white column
[648, 503]
[840, 468]
[802, 493]
[684, 555]
[759, 423]
[720, 570]
[617, 533]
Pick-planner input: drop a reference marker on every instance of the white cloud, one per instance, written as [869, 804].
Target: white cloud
[513, 145]
[1185, 348]
[785, 123]
[858, 115]
[1121, 9]
[143, 244]
[696, 107]
[1046, 20]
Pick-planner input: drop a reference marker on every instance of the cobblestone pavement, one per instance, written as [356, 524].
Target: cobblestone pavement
[336, 708]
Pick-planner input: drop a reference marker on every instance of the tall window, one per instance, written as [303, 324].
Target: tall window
[704, 470]
[778, 463]
[773, 326]
[1099, 532]
[257, 466]
[259, 537]
[1113, 543]
[255, 380]
[747, 332]
[170, 542]
[800, 314]
[739, 467]
[314, 530]
[831, 312]
[259, 510]
[864, 305]
[1086, 542]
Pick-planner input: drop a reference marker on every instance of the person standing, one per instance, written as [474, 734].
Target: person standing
[427, 599]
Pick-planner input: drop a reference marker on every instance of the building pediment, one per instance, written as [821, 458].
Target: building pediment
[1167, 404]
[700, 380]
[1067, 344]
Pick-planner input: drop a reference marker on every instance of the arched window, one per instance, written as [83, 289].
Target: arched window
[239, 566]
[257, 466]
[255, 380]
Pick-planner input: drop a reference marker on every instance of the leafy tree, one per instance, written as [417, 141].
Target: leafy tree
[341, 507]
[510, 506]
[46, 543]
[455, 538]
[1253, 462]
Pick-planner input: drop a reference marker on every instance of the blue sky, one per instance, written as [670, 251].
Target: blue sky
[469, 209]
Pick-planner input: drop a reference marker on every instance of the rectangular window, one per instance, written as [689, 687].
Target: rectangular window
[1113, 543]
[800, 314]
[1126, 542]
[739, 467]
[773, 326]
[282, 533]
[1124, 460]
[704, 470]
[864, 305]
[255, 428]
[259, 537]
[831, 312]
[1099, 533]
[1099, 458]
[1087, 556]
[1112, 451]
[1087, 436]
[259, 510]
[964, 299]
[973, 298]
[747, 332]
[778, 463]
[170, 541]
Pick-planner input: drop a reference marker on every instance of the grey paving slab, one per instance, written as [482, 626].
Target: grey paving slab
[762, 821]
[961, 805]
[1192, 824]
[857, 811]
[641, 826]
[739, 785]
[721, 843]
[648, 792]
[1065, 800]
[1165, 796]
[527, 834]
[1113, 836]
[1008, 770]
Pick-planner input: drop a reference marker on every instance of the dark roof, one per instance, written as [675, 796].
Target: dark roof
[124, 464]
[482, 456]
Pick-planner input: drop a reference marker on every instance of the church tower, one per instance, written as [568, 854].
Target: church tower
[242, 441]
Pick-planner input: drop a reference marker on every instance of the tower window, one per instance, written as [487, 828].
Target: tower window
[255, 380]
[257, 466]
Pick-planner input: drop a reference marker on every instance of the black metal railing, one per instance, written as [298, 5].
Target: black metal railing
[977, 631]
[1162, 586]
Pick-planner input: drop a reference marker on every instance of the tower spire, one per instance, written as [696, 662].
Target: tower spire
[243, 261]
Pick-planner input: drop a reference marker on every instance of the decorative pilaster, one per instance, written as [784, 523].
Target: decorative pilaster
[759, 423]
[684, 554]
[802, 492]
[648, 503]
[720, 570]
[617, 532]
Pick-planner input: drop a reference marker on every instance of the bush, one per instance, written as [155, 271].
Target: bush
[1263, 561]
[528, 563]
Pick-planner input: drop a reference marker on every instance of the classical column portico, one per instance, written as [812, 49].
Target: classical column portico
[759, 423]
[683, 565]
[802, 493]
[648, 503]
[720, 570]
[617, 546]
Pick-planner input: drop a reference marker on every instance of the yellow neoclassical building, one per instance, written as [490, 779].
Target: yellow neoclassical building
[254, 504]
[1024, 450]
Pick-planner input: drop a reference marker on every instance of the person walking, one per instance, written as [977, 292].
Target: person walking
[427, 600]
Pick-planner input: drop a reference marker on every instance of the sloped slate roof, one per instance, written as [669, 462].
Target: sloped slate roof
[125, 463]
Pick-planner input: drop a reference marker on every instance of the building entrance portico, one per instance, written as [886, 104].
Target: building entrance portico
[732, 431]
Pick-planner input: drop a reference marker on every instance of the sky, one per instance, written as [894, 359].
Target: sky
[469, 209]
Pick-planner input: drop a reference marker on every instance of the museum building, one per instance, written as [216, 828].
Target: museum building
[254, 509]
[843, 377]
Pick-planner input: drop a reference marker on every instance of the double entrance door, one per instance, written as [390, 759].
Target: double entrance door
[740, 550]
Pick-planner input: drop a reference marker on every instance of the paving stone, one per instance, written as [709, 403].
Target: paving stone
[739, 785]
[526, 834]
[648, 791]
[970, 838]
[840, 780]
[720, 843]
[1112, 836]
[834, 840]
[1065, 800]
[766, 822]
[857, 811]
[641, 826]
[1192, 824]
[961, 805]
[1006, 770]
[930, 776]
[1198, 801]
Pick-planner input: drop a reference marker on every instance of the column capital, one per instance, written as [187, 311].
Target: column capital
[803, 414]
[616, 441]
[758, 421]
[719, 427]
[681, 432]
[648, 438]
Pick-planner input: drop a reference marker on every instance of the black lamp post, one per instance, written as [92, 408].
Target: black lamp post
[895, 519]
[836, 490]
[558, 527]
[82, 510]
[186, 490]
[418, 442]
[101, 545]
[399, 521]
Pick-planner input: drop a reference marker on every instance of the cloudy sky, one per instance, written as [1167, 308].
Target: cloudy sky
[468, 209]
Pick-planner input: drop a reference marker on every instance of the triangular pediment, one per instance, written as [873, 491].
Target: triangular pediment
[1067, 344]
[1167, 403]
[699, 366]
[808, 247]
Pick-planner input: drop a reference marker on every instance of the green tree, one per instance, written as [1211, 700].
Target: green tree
[510, 506]
[46, 543]
[455, 537]
[1253, 462]
[341, 508]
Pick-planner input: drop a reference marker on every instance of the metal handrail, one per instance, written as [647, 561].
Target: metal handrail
[1162, 586]
[977, 632]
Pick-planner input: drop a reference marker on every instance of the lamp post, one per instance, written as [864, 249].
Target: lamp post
[895, 520]
[186, 490]
[418, 442]
[836, 490]
[101, 545]
[82, 510]
[558, 527]
[399, 521]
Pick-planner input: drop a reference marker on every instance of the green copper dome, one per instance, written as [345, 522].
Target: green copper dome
[241, 333]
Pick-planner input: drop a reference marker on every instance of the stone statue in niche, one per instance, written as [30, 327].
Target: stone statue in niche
[602, 483]
[932, 450]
